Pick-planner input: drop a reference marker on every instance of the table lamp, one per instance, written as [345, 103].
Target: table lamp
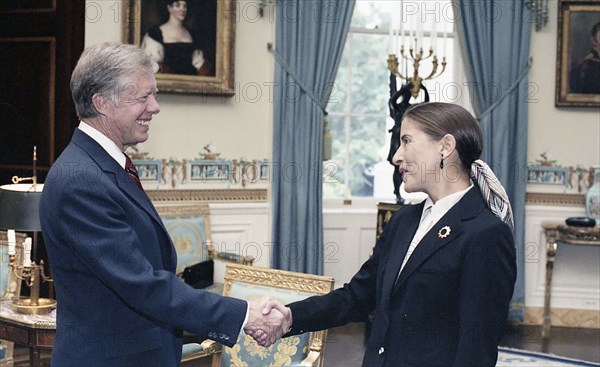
[19, 210]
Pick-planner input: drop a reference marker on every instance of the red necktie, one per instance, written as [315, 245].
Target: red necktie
[133, 174]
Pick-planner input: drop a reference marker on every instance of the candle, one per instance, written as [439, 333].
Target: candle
[401, 5]
[445, 38]
[12, 241]
[434, 34]
[419, 29]
[391, 37]
[27, 253]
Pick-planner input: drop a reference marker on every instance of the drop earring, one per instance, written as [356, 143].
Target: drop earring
[442, 162]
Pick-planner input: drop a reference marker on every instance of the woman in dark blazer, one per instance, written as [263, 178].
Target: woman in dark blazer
[445, 303]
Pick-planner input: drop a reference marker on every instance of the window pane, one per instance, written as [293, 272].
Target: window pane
[372, 14]
[333, 170]
[367, 147]
[370, 76]
[337, 99]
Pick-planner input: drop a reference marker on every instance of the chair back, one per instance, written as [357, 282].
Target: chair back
[189, 228]
[249, 283]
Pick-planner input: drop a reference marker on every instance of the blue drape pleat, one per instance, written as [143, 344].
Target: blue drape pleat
[310, 38]
[495, 37]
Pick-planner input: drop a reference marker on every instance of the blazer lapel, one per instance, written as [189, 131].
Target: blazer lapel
[468, 207]
[431, 242]
[404, 234]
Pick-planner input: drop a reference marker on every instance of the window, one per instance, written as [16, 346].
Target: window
[358, 107]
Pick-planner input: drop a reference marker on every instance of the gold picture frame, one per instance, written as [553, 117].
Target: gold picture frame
[211, 25]
[574, 77]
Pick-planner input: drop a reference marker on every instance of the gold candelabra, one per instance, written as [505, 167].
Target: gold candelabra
[416, 57]
[31, 273]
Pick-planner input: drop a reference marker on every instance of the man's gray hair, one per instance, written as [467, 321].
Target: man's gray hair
[101, 69]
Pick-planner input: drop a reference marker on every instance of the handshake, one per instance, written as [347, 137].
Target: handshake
[268, 321]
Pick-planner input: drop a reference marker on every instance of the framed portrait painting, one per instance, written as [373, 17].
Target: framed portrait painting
[578, 58]
[192, 41]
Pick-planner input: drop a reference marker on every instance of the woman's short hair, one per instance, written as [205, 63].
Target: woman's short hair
[102, 69]
[437, 119]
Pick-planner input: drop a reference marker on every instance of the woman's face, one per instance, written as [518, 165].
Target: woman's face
[178, 10]
[418, 158]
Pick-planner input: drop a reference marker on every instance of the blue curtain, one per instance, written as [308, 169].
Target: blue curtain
[310, 38]
[495, 37]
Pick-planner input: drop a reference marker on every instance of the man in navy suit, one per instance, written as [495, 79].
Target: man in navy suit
[119, 300]
[442, 273]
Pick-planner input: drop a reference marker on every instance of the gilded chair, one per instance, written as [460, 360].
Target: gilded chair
[189, 228]
[247, 282]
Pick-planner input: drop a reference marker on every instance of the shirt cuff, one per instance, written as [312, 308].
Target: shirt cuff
[245, 318]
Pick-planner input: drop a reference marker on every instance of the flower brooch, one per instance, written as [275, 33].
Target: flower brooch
[444, 232]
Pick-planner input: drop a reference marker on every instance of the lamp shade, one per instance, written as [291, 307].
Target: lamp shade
[19, 207]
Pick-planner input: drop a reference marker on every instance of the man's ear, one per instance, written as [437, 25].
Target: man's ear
[101, 103]
[448, 145]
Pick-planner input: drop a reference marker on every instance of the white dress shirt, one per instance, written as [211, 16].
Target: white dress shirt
[111, 148]
[432, 213]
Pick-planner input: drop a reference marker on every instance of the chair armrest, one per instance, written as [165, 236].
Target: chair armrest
[211, 346]
[314, 351]
[228, 256]
[232, 257]
[191, 351]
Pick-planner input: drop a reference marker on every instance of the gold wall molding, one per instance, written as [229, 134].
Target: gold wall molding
[555, 199]
[565, 317]
[213, 196]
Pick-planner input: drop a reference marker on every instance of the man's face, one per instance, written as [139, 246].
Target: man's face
[130, 118]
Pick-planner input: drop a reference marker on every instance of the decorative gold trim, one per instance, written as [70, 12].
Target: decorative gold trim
[215, 195]
[564, 317]
[179, 210]
[317, 284]
[555, 199]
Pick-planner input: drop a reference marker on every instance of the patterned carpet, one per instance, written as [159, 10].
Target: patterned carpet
[520, 358]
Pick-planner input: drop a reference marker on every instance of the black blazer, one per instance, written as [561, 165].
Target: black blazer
[449, 305]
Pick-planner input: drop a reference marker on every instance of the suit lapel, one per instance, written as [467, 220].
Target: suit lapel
[123, 181]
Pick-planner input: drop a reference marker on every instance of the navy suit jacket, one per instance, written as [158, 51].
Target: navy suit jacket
[449, 305]
[119, 300]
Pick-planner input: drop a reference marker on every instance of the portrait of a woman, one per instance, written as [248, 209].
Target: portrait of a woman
[176, 43]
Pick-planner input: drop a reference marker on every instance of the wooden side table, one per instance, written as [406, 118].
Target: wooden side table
[564, 234]
[35, 331]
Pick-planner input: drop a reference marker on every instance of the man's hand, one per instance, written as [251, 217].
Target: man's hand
[268, 321]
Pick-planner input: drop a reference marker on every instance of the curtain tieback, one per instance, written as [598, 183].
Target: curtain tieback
[507, 93]
[322, 106]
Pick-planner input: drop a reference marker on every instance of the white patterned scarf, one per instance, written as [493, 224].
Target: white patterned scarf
[493, 192]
